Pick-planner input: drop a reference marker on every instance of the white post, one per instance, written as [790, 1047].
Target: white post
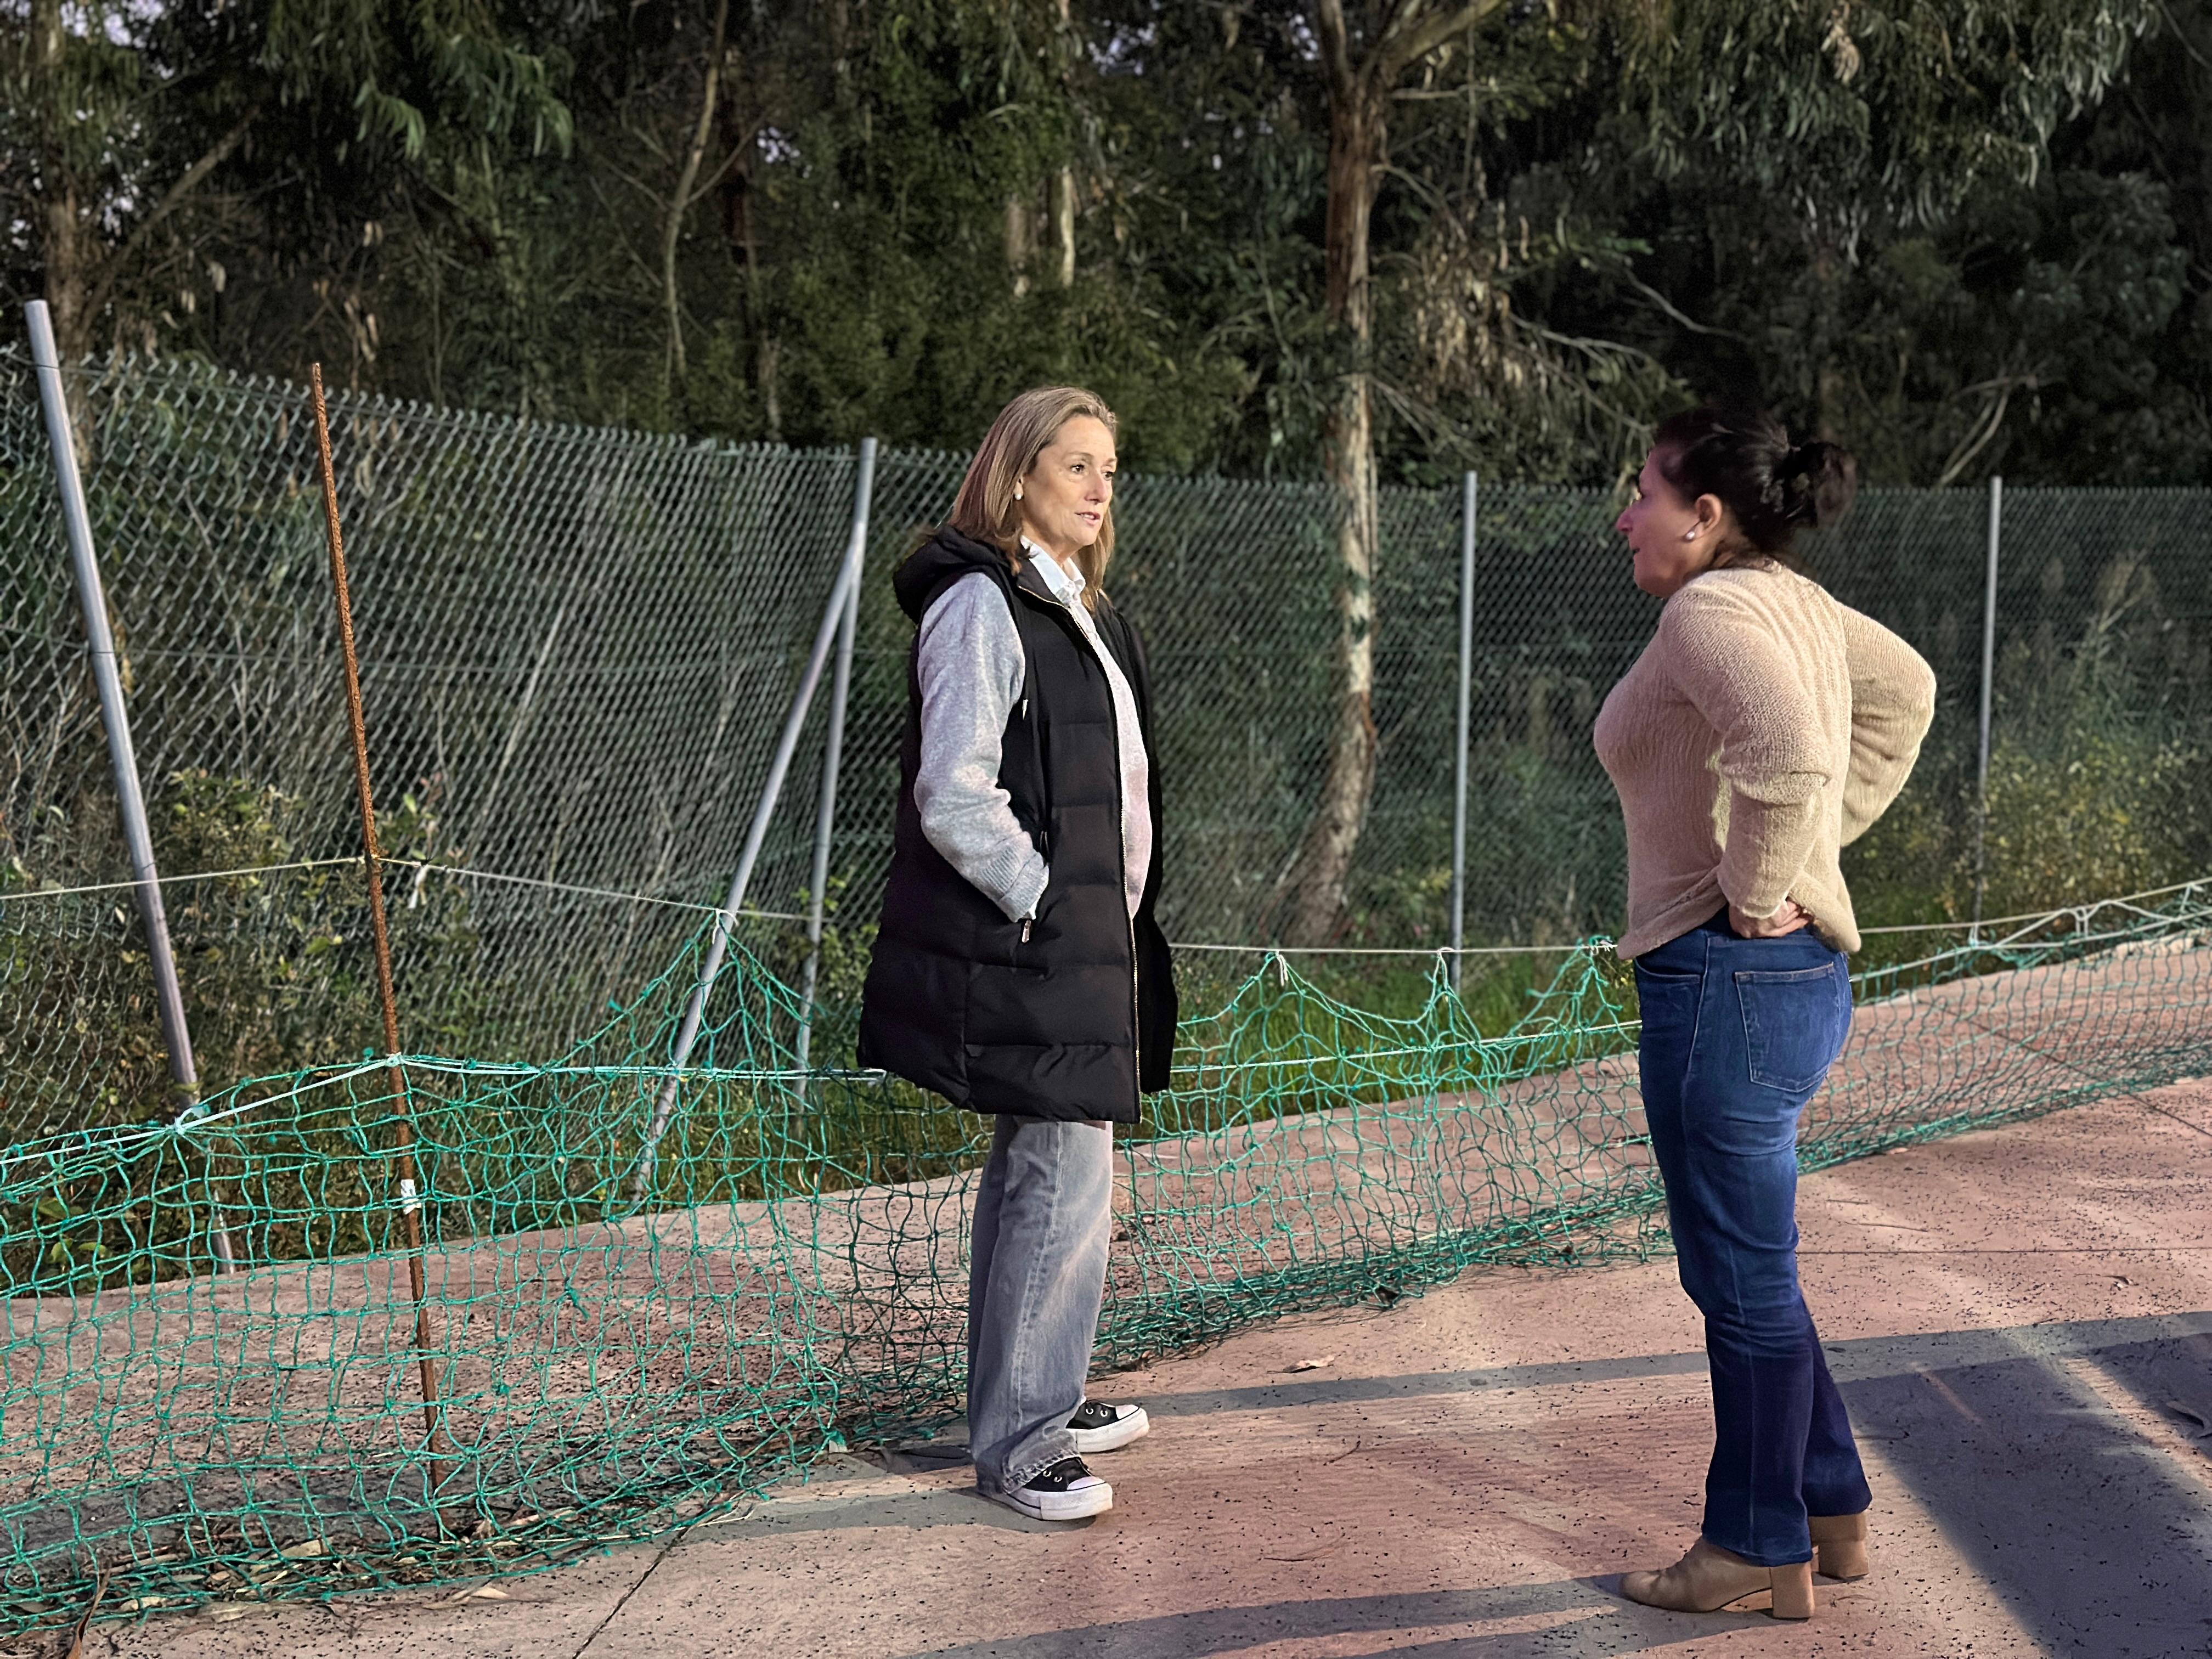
[1989, 694]
[92, 597]
[848, 576]
[833, 752]
[1466, 698]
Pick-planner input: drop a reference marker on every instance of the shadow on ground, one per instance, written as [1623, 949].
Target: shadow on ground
[2098, 1538]
[1571, 1618]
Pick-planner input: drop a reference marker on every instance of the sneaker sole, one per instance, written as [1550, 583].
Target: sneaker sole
[1114, 1435]
[1057, 1505]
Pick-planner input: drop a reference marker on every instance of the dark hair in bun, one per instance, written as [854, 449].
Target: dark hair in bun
[1771, 486]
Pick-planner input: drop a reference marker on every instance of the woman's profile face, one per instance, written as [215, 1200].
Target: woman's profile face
[1672, 541]
[1065, 494]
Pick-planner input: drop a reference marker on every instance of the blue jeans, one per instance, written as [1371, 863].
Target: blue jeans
[1738, 1033]
[1036, 1274]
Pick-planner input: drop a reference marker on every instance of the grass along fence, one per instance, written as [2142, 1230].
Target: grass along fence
[578, 644]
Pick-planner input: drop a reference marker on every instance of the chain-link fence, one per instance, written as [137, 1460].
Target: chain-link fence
[579, 646]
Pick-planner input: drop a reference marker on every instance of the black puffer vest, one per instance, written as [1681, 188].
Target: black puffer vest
[1073, 1021]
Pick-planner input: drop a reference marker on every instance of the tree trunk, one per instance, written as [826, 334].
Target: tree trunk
[1356, 137]
[1018, 244]
[69, 276]
[1063, 185]
[680, 201]
[68, 254]
[1063, 223]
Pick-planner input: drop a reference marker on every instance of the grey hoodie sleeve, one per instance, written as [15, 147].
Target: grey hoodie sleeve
[970, 665]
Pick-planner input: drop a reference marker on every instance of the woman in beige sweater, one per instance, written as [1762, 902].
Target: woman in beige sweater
[1762, 729]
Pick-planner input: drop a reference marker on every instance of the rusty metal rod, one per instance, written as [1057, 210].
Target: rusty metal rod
[411, 1199]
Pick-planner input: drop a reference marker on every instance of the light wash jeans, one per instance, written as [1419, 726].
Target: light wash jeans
[1043, 1218]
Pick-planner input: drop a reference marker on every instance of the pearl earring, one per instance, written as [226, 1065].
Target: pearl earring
[1689, 535]
[1018, 493]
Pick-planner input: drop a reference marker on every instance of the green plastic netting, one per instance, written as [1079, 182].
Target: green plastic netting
[795, 1277]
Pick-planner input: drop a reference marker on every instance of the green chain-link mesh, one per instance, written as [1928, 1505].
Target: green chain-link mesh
[578, 648]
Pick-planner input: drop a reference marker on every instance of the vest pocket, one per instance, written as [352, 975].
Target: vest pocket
[1793, 1025]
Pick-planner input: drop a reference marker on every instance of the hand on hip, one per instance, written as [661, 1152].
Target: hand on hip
[1788, 920]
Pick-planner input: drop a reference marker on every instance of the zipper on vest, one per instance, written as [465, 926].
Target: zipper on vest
[1025, 930]
[1121, 858]
[1044, 788]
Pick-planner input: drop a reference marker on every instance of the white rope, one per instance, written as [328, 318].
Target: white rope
[2080, 913]
[424, 864]
[2075, 910]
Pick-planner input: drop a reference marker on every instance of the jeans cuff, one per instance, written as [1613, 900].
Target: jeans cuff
[1037, 1466]
[1763, 1557]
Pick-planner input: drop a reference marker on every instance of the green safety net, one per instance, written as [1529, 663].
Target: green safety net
[618, 1353]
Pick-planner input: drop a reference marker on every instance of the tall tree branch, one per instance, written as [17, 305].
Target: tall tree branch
[1335, 39]
[186, 183]
[679, 200]
[1406, 45]
[1997, 394]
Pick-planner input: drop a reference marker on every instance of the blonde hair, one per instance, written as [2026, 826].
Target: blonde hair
[986, 508]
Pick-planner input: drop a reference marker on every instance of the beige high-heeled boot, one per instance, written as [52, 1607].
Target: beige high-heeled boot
[1709, 1578]
[1839, 1545]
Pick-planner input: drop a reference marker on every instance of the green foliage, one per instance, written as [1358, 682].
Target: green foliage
[1943, 230]
[1902, 105]
[274, 962]
[2099, 769]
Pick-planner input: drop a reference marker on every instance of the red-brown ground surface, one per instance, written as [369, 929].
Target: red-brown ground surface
[2020, 1319]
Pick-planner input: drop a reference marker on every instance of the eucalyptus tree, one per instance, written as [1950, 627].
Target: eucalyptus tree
[1823, 117]
[1820, 128]
[141, 145]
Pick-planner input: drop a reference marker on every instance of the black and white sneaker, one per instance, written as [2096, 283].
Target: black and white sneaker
[1066, 1492]
[1098, 1427]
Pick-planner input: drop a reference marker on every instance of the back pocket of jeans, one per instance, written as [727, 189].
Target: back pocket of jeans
[1793, 1024]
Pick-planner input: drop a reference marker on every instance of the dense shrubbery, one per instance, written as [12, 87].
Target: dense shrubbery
[273, 961]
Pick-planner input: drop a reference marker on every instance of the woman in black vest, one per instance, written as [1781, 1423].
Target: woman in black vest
[1018, 970]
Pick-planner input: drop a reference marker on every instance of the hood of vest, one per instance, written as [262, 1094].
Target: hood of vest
[945, 558]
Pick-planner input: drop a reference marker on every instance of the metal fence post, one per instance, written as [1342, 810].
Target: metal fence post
[695, 1010]
[833, 748]
[1468, 489]
[92, 597]
[1989, 695]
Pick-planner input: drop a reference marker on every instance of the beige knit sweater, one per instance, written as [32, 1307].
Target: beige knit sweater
[1762, 730]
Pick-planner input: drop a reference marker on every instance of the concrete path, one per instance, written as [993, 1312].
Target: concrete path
[2020, 1319]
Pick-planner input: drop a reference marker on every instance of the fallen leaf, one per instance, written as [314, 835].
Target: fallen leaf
[480, 1593]
[314, 1547]
[1314, 1364]
[76, 1636]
